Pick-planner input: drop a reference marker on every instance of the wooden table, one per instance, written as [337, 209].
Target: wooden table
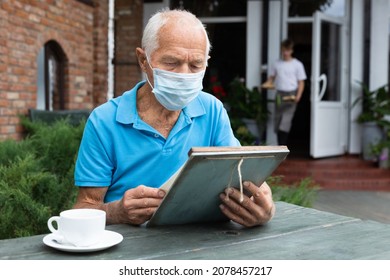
[294, 233]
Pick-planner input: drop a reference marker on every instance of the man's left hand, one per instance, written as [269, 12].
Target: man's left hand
[252, 211]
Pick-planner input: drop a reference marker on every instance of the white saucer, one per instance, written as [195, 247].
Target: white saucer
[110, 238]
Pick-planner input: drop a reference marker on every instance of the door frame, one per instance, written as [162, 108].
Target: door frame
[328, 115]
[345, 95]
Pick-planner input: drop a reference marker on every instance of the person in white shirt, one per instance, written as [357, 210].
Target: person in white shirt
[288, 76]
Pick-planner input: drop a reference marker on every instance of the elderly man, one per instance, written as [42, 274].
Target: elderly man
[134, 143]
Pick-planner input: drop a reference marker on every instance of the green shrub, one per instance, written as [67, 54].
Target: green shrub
[10, 150]
[56, 145]
[20, 213]
[36, 177]
[302, 193]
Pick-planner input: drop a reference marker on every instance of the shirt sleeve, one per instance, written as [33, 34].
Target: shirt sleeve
[301, 74]
[272, 71]
[224, 132]
[93, 165]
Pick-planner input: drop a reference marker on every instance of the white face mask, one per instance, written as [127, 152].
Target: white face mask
[175, 90]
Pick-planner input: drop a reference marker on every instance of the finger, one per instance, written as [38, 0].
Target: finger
[234, 194]
[263, 198]
[250, 187]
[136, 203]
[239, 209]
[232, 198]
[257, 216]
[247, 208]
[233, 216]
[140, 215]
[252, 212]
[262, 195]
[143, 191]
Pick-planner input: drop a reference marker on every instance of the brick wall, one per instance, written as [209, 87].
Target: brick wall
[100, 52]
[128, 33]
[25, 27]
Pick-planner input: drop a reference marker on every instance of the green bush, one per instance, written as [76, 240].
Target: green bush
[36, 177]
[20, 213]
[56, 145]
[302, 193]
[10, 150]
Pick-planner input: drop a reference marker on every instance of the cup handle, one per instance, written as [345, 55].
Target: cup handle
[50, 224]
[56, 235]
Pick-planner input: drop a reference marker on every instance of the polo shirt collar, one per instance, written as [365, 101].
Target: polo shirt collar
[127, 107]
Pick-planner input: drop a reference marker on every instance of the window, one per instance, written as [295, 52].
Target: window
[212, 8]
[87, 2]
[225, 23]
[51, 60]
[306, 8]
[228, 55]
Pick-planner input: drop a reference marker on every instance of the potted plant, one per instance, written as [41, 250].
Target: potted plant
[249, 106]
[375, 106]
[381, 150]
[247, 109]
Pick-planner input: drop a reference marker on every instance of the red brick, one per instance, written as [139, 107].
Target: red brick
[6, 129]
[80, 30]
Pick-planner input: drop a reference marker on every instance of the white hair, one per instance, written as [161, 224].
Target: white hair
[150, 36]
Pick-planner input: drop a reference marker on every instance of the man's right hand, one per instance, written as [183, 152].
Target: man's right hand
[139, 204]
[136, 206]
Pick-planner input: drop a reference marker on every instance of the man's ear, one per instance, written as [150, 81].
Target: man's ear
[141, 57]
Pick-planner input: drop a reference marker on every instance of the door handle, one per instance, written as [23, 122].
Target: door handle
[322, 78]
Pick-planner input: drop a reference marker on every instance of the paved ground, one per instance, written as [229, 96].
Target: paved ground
[366, 205]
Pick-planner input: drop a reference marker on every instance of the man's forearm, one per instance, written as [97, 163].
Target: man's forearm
[301, 87]
[112, 208]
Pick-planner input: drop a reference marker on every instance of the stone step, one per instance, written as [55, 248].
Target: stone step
[330, 173]
[341, 173]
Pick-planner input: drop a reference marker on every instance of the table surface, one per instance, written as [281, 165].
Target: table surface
[294, 233]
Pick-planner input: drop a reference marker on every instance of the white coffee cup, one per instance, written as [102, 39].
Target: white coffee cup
[79, 227]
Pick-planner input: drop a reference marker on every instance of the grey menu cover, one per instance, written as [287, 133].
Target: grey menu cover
[193, 191]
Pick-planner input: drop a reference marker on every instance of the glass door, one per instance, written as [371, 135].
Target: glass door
[328, 133]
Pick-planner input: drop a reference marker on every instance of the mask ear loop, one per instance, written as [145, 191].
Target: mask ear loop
[147, 77]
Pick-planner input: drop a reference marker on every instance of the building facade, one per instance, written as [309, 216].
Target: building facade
[53, 56]
[342, 43]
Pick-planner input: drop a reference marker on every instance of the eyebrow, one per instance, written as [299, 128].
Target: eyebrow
[198, 60]
[168, 57]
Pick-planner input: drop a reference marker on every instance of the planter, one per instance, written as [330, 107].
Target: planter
[384, 160]
[371, 135]
[254, 128]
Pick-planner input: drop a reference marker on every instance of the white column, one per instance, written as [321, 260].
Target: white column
[356, 73]
[253, 43]
[379, 44]
[274, 39]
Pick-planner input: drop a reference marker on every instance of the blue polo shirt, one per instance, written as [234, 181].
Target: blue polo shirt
[120, 151]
